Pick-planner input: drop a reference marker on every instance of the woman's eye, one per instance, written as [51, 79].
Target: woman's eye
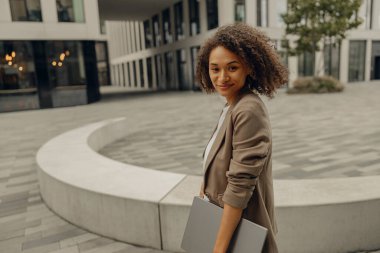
[214, 70]
[233, 68]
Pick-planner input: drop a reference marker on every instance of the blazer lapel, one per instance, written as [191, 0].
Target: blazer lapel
[218, 139]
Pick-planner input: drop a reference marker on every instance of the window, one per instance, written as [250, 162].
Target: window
[169, 70]
[150, 74]
[141, 67]
[212, 14]
[375, 61]
[167, 27]
[262, 13]
[194, 54]
[178, 20]
[356, 64]
[156, 31]
[195, 27]
[102, 62]
[306, 63]
[148, 34]
[26, 10]
[332, 60]
[159, 71]
[281, 9]
[181, 63]
[134, 74]
[66, 63]
[240, 10]
[70, 11]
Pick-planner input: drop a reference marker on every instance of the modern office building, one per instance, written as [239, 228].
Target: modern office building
[52, 53]
[156, 44]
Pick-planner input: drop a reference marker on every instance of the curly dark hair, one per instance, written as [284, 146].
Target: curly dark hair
[254, 48]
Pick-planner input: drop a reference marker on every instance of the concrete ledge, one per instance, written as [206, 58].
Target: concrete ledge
[150, 208]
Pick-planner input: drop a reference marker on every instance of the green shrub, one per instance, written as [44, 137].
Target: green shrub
[316, 84]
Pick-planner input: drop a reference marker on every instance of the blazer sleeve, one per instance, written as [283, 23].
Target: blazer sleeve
[251, 143]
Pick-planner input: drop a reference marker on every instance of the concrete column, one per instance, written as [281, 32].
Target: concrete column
[203, 16]
[112, 75]
[5, 11]
[49, 11]
[251, 12]
[186, 18]
[145, 69]
[110, 45]
[129, 39]
[272, 13]
[367, 69]
[172, 27]
[142, 36]
[124, 38]
[122, 75]
[293, 69]
[344, 58]
[133, 35]
[137, 36]
[91, 12]
[319, 60]
[226, 11]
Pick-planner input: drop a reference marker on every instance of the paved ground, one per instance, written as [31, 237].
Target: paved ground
[334, 135]
[303, 131]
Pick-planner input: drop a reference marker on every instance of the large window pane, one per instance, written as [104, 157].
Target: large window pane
[156, 31]
[240, 10]
[70, 11]
[178, 20]
[332, 60]
[306, 64]
[356, 64]
[262, 13]
[18, 86]
[148, 34]
[195, 27]
[150, 72]
[160, 74]
[167, 27]
[169, 73]
[212, 14]
[181, 63]
[375, 61]
[141, 67]
[26, 10]
[194, 54]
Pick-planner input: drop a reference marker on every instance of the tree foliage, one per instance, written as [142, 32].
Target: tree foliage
[316, 21]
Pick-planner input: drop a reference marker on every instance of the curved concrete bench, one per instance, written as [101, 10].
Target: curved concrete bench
[150, 208]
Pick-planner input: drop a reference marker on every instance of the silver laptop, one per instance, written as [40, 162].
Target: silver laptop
[203, 225]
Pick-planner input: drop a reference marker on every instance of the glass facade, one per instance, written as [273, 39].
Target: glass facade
[102, 62]
[306, 62]
[332, 60]
[181, 63]
[240, 10]
[212, 14]
[156, 31]
[70, 11]
[375, 61]
[169, 71]
[195, 27]
[262, 13]
[167, 26]
[134, 79]
[178, 21]
[141, 67]
[194, 54]
[356, 65]
[148, 34]
[160, 73]
[26, 10]
[150, 74]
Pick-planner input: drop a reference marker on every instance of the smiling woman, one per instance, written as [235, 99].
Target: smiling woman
[239, 63]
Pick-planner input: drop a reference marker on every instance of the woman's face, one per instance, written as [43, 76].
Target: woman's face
[227, 72]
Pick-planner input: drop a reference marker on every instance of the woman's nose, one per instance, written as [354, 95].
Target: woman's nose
[224, 76]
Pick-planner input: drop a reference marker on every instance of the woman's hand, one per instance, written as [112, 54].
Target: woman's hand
[230, 220]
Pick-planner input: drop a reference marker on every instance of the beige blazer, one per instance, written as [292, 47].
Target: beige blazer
[238, 169]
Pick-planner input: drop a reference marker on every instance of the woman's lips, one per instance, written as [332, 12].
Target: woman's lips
[224, 86]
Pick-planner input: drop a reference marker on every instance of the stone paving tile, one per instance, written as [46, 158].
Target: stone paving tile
[310, 132]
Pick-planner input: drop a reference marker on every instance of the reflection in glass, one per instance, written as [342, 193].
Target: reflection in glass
[375, 61]
[332, 60]
[194, 54]
[156, 31]
[169, 74]
[25, 10]
[195, 27]
[178, 20]
[306, 62]
[240, 10]
[356, 64]
[148, 34]
[167, 26]
[70, 11]
[212, 14]
[181, 63]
